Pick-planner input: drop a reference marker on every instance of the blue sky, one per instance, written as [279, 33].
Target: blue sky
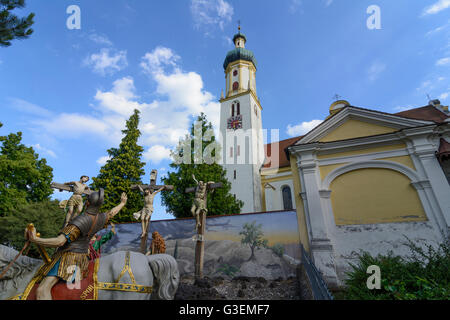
[70, 91]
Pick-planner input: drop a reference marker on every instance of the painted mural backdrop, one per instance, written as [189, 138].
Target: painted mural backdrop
[225, 253]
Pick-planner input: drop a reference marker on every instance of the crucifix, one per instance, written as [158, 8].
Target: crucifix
[149, 192]
[78, 188]
[199, 211]
[336, 97]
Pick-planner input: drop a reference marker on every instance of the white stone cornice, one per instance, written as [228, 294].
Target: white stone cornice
[412, 175]
[421, 185]
[325, 194]
[370, 116]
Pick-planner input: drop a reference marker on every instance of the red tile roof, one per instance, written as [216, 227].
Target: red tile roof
[282, 157]
[429, 113]
[444, 149]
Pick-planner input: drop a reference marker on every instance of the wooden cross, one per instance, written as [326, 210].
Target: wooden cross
[152, 187]
[200, 245]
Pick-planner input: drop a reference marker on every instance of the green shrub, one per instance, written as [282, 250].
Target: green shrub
[424, 275]
[227, 269]
[278, 249]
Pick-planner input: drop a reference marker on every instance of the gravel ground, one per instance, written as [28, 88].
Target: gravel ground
[239, 288]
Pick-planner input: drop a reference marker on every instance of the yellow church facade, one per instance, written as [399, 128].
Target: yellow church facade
[363, 180]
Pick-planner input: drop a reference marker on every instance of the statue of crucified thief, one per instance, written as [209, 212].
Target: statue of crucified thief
[76, 200]
[201, 193]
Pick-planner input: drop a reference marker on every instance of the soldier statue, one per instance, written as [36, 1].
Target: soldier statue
[70, 261]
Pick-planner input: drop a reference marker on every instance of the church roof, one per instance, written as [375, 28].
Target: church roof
[283, 159]
[444, 150]
[239, 35]
[429, 113]
[239, 54]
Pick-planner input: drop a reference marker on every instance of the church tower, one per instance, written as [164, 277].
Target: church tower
[241, 126]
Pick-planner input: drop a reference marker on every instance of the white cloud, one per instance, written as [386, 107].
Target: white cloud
[436, 30]
[107, 61]
[436, 7]
[444, 96]
[443, 61]
[100, 39]
[156, 154]
[73, 126]
[49, 152]
[155, 61]
[302, 128]
[102, 160]
[208, 14]
[121, 99]
[27, 107]
[375, 70]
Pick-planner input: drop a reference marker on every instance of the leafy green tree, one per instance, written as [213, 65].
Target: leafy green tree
[253, 236]
[11, 26]
[123, 170]
[198, 154]
[46, 216]
[24, 177]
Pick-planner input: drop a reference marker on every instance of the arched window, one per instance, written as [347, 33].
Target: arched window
[238, 109]
[287, 198]
[232, 110]
[235, 86]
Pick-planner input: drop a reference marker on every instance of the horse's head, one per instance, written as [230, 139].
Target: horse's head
[167, 276]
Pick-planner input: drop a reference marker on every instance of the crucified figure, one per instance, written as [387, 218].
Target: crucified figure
[146, 212]
[76, 200]
[201, 192]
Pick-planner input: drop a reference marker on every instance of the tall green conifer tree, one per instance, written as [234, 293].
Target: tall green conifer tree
[123, 169]
[198, 154]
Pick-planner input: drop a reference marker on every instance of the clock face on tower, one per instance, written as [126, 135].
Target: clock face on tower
[235, 122]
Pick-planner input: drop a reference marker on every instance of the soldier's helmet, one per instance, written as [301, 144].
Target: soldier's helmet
[95, 201]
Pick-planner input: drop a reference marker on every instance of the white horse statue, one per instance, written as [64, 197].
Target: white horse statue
[122, 275]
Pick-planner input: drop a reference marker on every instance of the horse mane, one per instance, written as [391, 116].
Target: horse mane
[23, 266]
[167, 276]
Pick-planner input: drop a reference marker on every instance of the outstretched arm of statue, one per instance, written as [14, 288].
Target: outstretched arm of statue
[159, 190]
[193, 177]
[50, 242]
[115, 210]
[69, 183]
[140, 188]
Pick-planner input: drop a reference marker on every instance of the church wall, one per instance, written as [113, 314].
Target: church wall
[274, 198]
[379, 238]
[374, 195]
[355, 129]
[300, 205]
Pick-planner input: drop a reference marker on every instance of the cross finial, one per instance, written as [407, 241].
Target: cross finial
[336, 97]
[428, 96]
[239, 25]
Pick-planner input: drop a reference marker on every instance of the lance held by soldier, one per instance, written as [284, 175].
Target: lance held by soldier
[73, 244]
